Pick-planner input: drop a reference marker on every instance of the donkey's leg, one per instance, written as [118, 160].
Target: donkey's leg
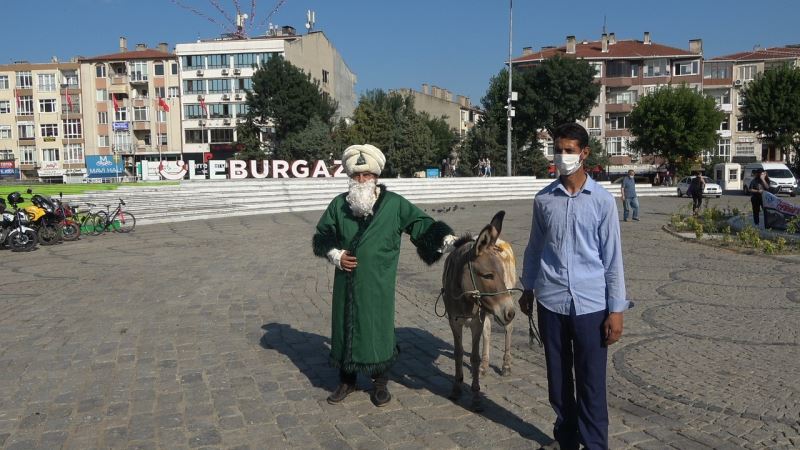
[458, 355]
[477, 329]
[486, 337]
[507, 352]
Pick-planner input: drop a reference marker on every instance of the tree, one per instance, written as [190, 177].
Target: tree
[285, 97]
[312, 143]
[249, 142]
[676, 123]
[597, 155]
[772, 107]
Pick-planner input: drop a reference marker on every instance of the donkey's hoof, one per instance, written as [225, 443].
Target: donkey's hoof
[505, 372]
[482, 370]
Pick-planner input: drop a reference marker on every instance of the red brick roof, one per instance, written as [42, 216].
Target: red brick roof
[762, 54]
[622, 49]
[136, 54]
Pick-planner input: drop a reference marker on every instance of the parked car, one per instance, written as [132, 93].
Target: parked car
[712, 189]
[781, 179]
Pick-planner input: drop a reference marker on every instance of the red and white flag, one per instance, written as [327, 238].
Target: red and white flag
[114, 99]
[203, 105]
[69, 102]
[163, 104]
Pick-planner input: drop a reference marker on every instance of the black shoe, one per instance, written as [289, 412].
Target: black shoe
[341, 393]
[380, 395]
[636, 219]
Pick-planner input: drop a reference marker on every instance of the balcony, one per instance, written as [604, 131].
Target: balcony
[138, 78]
[141, 125]
[619, 107]
[120, 79]
[123, 149]
[724, 133]
[725, 107]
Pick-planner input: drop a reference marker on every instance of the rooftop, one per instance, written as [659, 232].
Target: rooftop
[788, 52]
[148, 53]
[620, 49]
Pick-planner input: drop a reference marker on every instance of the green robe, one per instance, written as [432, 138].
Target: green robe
[362, 336]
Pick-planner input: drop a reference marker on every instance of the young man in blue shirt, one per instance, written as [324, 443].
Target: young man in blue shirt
[573, 262]
[629, 199]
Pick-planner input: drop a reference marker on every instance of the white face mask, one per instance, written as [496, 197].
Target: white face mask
[567, 164]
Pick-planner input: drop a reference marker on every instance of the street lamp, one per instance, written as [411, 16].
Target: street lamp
[509, 108]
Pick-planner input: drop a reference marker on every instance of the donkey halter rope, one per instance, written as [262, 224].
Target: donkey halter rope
[474, 294]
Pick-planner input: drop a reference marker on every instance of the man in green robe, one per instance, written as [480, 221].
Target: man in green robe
[360, 234]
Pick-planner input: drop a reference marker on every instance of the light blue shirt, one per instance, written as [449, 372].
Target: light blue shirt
[629, 187]
[575, 252]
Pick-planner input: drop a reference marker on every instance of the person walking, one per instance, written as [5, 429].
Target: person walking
[629, 199]
[697, 186]
[487, 170]
[757, 187]
[360, 233]
[573, 270]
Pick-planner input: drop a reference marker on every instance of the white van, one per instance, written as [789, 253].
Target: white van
[781, 178]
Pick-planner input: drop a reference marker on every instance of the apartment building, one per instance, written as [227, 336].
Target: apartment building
[215, 75]
[459, 113]
[41, 122]
[131, 108]
[626, 70]
[724, 78]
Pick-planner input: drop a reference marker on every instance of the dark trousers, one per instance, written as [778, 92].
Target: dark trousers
[576, 343]
[697, 202]
[756, 201]
[351, 377]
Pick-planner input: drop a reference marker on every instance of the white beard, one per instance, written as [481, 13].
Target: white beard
[362, 197]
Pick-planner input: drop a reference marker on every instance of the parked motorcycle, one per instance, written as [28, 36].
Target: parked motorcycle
[43, 218]
[14, 230]
[70, 229]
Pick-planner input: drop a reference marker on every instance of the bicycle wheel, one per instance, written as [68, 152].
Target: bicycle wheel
[98, 223]
[125, 222]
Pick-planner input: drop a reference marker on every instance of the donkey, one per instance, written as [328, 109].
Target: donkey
[506, 254]
[474, 285]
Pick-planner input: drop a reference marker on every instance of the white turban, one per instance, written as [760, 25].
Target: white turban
[363, 158]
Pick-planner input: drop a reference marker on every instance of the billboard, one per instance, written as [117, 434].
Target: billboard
[104, 166]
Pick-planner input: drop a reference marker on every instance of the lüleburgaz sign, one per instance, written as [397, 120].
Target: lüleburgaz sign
[236, 169]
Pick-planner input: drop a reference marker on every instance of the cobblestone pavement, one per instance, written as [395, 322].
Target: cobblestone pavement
[214, 334]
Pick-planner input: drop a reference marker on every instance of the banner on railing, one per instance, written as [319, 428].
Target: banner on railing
[235, 169]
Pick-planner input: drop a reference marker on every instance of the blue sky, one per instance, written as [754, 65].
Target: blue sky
[454, 44]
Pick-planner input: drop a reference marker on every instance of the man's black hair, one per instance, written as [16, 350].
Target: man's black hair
[574, 131]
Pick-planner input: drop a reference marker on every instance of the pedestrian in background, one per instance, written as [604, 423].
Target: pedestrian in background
[697, 186]
[758, 186]
[629, 199]
[573, 262]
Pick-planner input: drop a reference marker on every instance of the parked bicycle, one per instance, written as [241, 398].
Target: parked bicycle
[120, 220]
[87, 220]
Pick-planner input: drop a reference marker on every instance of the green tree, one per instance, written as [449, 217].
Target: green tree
[676, 123]
[597, 155]
[285, 97]
[312, 143]
[772, 107]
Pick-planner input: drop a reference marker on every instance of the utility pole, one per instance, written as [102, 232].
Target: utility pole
[509, 108]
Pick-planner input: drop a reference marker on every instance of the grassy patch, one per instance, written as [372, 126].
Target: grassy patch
[52, 190]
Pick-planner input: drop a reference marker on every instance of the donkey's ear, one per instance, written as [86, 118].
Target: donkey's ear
[489, 234]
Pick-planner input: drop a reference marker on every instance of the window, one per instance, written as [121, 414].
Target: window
[5, 106]
[687, 68]
[102, 117]
[138, 71]
[244, 60]
[121, 115]
[219, 85]
[174, 67]
[70, 78]
[100, 70]
[50, 155]
[244, 84]
[140, 114]
[47, 82]
[102, 140]
[192, 62]
[739, 99]
[733, 174]
[101, 95]
[73, 154]
[161, 115]
[598, 68]
[158, 69]
[6, 154]
[717, 70]
[264, 57]
[219, 110]
[3, 81]
[242, 109]
[25, 130]
[549, 148]
[70, 99]
[221, 135]
[616, 146]
[194, 86]
[122, 141]
[193, 111]
[196, 137]
[218, 61]
[145, 139]
[721, 97]
[594, 122]
[160, 91]
[742, 124]
[617, 122]
[5, 132]
[620, 69]
[655, 68]
[173, 92]
[27, 154]
[325, 76]
[24, 80]
[724, 148]
[162, 138]
[49, 129]
[73, 129]
[621, 97]
[47, 105]
[725, 124]
[25, 105]
[747, 73]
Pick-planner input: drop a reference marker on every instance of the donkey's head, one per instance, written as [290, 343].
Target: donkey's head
[486, 272]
